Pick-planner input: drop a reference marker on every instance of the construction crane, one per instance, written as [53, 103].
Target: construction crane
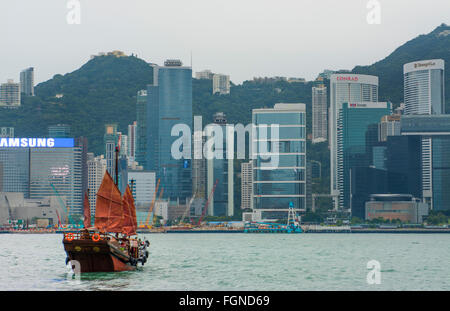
[188, 207]
[152, 213]
[207, 202]
[143, 224]
[63, 206]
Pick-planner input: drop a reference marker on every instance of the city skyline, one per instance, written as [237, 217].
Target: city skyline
[341, 24]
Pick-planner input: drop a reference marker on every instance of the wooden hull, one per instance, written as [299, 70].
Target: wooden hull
[101, 256]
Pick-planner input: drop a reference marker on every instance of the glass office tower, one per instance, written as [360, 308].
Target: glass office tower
[279, 183]
[57, 172]
[169, 102]
[220, 169]
[142, 135]
[436, 130]
[110, 139]
[345, 88]
[15, 169]
[354, 122]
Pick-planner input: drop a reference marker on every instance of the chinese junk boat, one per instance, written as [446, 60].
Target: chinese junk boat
[112, 244]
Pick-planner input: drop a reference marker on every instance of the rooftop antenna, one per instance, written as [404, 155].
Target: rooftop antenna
[191, 59]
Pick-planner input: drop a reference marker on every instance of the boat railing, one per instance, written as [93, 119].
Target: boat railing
[87, 235]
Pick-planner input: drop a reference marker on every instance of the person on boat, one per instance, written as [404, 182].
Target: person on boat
[85, 234]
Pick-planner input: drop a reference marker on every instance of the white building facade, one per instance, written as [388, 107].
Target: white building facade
[345, 88]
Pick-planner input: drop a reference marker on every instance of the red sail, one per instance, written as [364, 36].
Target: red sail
[108, 209]
[87, 211]
[129, 220]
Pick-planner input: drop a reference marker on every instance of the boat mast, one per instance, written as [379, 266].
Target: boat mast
[116, 170]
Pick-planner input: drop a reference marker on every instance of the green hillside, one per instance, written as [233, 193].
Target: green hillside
[390, 70]
[104, 91]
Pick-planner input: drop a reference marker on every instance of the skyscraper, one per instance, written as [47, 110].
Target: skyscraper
[345, 88]
[10, 94]
[436, 130]
[27, 81]
[168, 103]
[424, 87]
[424, 94]
[246, 185]
[58, 172]
[220, 169]
[111, 138]
[319, 113]
[132, 141]
[198, 174]
[353, 139]
[96, 171]
[143, 133]
[279, 163]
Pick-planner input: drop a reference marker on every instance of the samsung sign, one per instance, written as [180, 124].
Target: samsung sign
[37, 143]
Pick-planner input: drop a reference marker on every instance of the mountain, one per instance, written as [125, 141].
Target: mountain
[390, 70]
[104, 91]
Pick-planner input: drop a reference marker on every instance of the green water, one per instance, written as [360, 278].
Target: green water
[241, 262]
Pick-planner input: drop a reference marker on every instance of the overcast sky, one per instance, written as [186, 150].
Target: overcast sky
[242, 38]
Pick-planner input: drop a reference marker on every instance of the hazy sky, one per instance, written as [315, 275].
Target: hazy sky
[242, 38]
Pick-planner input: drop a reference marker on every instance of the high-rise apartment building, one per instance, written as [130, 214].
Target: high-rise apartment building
[246, 185]
[319, 112]
[132, 141]
[96, 171]
[205, 74]
[279, 159]
[221, 84]
[345, 88]
[166, 104]
[27, 81]
[10, 94]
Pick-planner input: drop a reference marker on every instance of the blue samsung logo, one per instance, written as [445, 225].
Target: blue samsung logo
[37, 143]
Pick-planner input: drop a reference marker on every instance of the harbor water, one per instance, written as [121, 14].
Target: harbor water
[241, 262]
